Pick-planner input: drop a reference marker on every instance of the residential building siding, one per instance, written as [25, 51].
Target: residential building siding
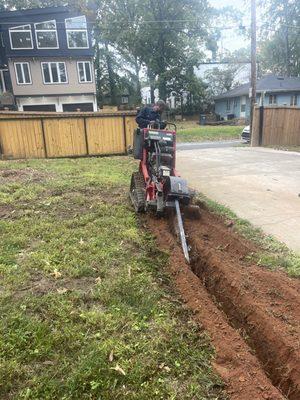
[284, 88]
[283, 99]
[38, 87]
[36, 37]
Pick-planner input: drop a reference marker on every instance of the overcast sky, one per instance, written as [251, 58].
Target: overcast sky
[222, 3]
[230, 39]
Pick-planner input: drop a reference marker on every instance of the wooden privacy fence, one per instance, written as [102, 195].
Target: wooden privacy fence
[276, 126]
[50, 135]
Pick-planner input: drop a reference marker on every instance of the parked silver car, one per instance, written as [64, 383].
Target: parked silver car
[246, 134]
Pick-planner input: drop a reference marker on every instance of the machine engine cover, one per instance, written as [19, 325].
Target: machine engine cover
[176, 188]
[138, 144]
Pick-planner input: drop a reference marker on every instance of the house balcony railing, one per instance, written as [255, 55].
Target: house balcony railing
[7, 101]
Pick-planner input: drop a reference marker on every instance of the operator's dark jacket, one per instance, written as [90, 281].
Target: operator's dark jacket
[146, 115]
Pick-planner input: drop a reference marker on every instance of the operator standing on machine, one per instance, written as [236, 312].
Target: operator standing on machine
[152, 115]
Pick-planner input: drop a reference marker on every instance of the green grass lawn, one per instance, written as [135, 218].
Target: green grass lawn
[190, 131]
[87, 311]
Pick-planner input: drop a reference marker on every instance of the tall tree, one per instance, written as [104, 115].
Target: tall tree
[159, 35]
[173, 29]
[119, 25]
[280, 44]
[86, 6]
[220, 80]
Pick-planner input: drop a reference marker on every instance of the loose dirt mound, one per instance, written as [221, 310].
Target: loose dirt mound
[252, 314]
[22, 175]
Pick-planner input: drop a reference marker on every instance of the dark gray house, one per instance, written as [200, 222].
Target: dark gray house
[271, 90]
[46, 60]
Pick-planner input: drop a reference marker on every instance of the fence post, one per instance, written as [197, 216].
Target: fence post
[261, 125]
[85, 137]
[1, 151]
[44, 138]
[124, 133]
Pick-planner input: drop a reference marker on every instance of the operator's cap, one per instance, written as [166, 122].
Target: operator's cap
[162, 105]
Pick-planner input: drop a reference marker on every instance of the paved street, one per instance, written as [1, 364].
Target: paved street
[208, 145]
[258, 184]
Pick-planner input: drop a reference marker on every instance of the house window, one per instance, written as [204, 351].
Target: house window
[294, 100]
[228, 105]
[46, 35]
[23, 75]
[20, 37]
[77, 36]
[124, 99]
[84, 71]
[235, 102]
[272, 99]
[243, 108]
[54, 72]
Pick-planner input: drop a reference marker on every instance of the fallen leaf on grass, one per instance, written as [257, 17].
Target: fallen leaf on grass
[119, 369]
[164, 367]
[111, 356]
[98, 280]
[48, 362]
[56, 274]
[62, 290]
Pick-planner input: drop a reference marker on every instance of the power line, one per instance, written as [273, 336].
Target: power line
[95, 23]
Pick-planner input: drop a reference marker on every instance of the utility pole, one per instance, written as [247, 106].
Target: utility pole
[253, 62]
[287, 44]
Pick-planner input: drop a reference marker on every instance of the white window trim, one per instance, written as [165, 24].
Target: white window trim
[273, 97]
[46, 30]
[50, 73]
[77, 30]
[85, 81]
[14, 29]
[17, 79]
[294, 100]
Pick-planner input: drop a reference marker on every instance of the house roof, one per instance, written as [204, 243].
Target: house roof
[32, 11]
[269, 83]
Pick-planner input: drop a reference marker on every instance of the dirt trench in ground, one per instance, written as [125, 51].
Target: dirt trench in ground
[251, 314]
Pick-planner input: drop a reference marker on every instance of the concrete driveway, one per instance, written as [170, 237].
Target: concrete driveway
[258, 184]
[207, 145]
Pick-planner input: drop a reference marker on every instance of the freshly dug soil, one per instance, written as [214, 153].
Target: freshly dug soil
[252, 314]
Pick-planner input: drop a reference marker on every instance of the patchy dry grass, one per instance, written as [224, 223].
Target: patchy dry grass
[86, 310]
[190, 131]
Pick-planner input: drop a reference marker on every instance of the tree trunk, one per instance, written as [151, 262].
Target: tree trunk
[161, 47]
[151, 78]
[138, 83]
[162, 87]
[97, 68]
[181, 104]
[287, 45]
[111, 77]
[287, 53]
